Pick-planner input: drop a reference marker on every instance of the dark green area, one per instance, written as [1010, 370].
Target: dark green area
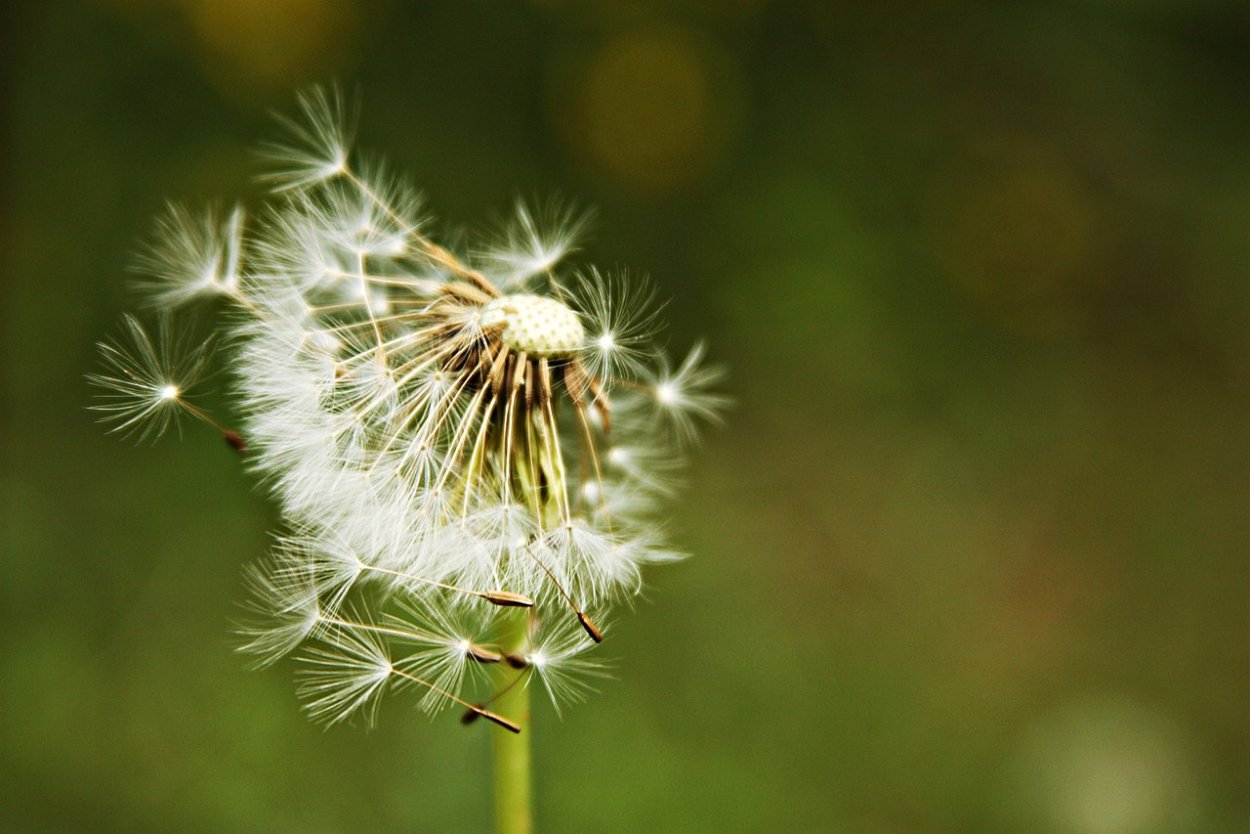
[971, 553]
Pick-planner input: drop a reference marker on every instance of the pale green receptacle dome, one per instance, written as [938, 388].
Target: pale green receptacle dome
[535, 325]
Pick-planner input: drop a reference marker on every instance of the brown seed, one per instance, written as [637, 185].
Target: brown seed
[591, 628]
[517, 377]
[500, 720]
[497, 369]
[235, 440]
[507, 599]
[516, 661]
[575, 382]
[544, 381]
[482, 655]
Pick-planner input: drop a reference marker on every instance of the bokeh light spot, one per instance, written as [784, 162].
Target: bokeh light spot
[651, 110]
[251, 50]
[1013, 228]
[1105, 765]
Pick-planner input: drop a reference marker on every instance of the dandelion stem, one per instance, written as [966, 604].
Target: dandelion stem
[511, 753]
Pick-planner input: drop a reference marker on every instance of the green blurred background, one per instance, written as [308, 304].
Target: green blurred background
[971, 552]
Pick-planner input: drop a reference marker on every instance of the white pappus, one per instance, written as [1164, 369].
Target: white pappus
[450, 437]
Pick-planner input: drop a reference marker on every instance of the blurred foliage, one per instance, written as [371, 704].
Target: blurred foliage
[972, 550]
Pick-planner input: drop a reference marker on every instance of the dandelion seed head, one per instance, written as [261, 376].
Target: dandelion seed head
[445, 436]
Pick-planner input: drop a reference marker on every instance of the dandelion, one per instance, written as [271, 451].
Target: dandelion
[469, 454]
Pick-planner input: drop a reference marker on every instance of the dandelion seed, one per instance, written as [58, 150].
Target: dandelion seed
[684, 395]
[558, 660]
[192, 257]
[145, 383]
[284, 608]
[621, 317]
[347, 674]
[532, 244]
[317, 142]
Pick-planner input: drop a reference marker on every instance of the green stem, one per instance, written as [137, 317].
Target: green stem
[511, 751]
